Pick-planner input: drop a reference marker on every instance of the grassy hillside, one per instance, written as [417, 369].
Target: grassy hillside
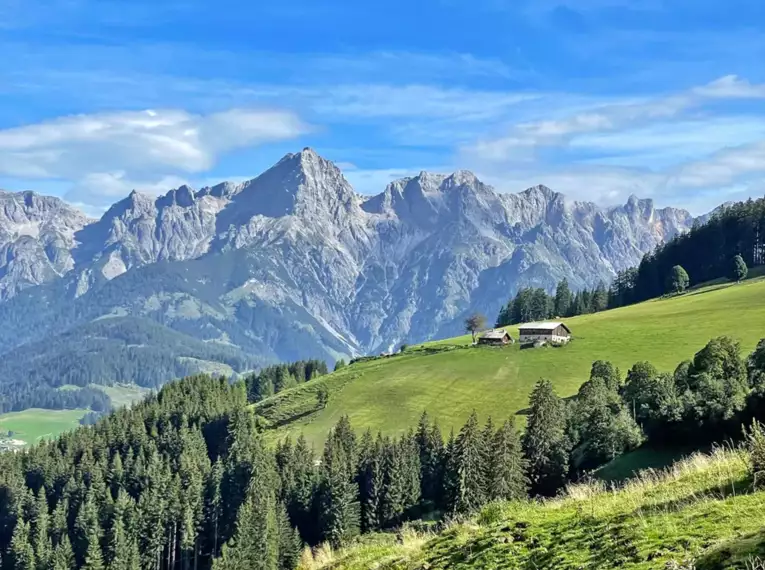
[35, 424]
[701, 514]
[450, 378]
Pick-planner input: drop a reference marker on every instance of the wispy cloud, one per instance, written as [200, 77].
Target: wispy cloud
[611, 117]
[102, 154]
[680, 147]
[731, 87]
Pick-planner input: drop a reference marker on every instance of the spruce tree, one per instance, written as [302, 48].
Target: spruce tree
[40, 539]
[22, 554]
[300, 500]
[290, 545]
[255, 544]
[93, 555]
[63, 556]
[430, 445]
[545, 443]
[393, 489]
[506, 476]
[468, 478]
[450, 491]
[563, 299]
[339, 509]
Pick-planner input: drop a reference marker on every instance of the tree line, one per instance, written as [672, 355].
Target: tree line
[535, 304]
[273, 379]
[732, 239]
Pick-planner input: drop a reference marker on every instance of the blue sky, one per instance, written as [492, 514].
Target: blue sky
[597, 99]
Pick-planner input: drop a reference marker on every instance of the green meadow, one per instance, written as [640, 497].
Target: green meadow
[450, 378]
[36, 424]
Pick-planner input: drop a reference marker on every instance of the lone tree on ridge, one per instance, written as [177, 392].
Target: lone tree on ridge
[474, 323]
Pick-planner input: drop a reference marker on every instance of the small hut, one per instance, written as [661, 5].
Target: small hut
[496, 338]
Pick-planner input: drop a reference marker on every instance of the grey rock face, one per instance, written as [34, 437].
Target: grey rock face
[295, 264]
[36, 240]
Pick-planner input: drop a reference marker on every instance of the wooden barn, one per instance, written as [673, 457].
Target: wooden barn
[555, 333]
[497, 338]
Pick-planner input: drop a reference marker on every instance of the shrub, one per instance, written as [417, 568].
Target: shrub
[755, 443]
[490, 514]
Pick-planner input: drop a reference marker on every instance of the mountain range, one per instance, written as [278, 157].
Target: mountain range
[291, 264]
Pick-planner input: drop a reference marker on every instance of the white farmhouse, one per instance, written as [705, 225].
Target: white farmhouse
[555, 333]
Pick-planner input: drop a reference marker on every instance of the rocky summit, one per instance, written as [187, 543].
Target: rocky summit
[295, 264]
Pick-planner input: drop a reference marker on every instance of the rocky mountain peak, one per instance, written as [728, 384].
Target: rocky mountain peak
[303, 184]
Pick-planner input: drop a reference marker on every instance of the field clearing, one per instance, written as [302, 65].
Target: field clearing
[124, 394]
[449, 378]
[36, 424]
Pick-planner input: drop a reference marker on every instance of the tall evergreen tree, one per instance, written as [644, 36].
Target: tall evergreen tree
[545, 444]
[467, 468]
[506, 474]
[338, 496]
[563, 299]
[40, 538]
[63, 557]
[255, 544]
[22, 554]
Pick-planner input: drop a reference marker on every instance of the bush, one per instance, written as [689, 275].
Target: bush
[755, 443]
[490, 514]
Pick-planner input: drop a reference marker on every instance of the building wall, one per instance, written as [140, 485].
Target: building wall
[549, 336]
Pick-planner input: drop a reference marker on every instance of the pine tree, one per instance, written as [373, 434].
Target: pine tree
[410, 454]
[430, 445]
[544, 443]
[22, 554]
[255, 544]
[93, 555]
[393, 488]
[371, 482]
[563, 299]
[63, 557]
[338, 494]
[86, 527]
[506, 476]
[467, 466]
[59, 523]
[213, 507]
[40, 539]
[300, 501]
[290, 545]
[122, 547]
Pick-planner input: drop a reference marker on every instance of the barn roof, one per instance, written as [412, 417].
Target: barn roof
[497, 334]
[544, 326]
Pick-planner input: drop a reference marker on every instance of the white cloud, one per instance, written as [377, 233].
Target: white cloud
[610, 118]
[722, 168]
[731, 87]
[113, 151]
